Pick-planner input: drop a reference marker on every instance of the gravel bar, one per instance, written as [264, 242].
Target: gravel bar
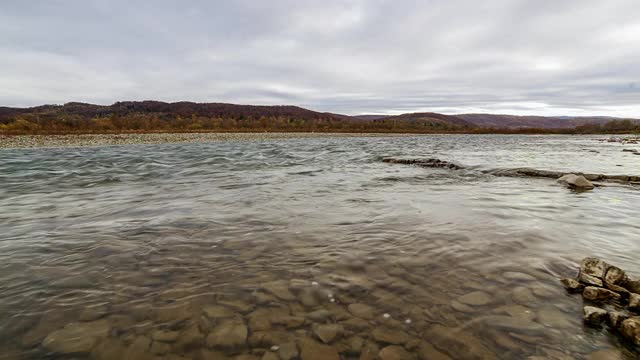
[35, 141]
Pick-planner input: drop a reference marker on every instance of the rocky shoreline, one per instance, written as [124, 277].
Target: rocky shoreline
[610, 297]
[37, 141]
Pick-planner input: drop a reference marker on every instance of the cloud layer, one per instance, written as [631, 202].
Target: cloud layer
[572, 57]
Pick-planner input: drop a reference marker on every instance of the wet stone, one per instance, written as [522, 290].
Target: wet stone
[394, 352]
[312, 350]
[159, 348]
[572, 285]
[288, 351]
[328, 332]
[554, 318]
[523, 296]
[139, 349]
[387, 335]
[608, 354]
[614, 278]
[593, 267]
[427, 351]
[513, 324]
[77, 338]
[362, 311]
[615, 319]
[630, 328]
[321, 315]
[599, 294]
[279, 289]
[476, 298]
[229, 334]
[165, 336]
[593, 315]
[634, 302]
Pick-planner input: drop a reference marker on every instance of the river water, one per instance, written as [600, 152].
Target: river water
[268, 249]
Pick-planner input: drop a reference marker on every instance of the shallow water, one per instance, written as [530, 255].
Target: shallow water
[124, 243]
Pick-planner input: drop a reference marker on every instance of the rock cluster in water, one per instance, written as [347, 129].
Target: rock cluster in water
[577, 180]
[611, 297]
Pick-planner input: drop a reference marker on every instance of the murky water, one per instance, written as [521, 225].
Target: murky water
[268, 250]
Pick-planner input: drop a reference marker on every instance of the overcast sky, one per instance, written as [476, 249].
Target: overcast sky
[547, 57]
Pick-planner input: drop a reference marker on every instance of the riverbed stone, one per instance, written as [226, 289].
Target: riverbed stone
[139, 349]
[362, 311]
[279, 289]
[606, 354]
[554, 318]
[77, 337]
[394, 352]
[328, 332]
[320, 315]
[288, 351]
[459, 343]
[229, 334]
[388, 335]
[512, 323]
[518, 276]
[599, 294]
[476, 298]
[313, 350]
[523, 295]
[167, 336]
[262, 318]
[593, 315]
[427, 351]
[630, 328]
[572, 285]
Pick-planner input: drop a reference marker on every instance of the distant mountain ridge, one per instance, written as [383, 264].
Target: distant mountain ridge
[209, 116]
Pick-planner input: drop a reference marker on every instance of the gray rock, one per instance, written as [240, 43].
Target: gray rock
[576, 181]
[77, 337]
[599, 294]
[630, 328]
[572, 285]
[593, 315]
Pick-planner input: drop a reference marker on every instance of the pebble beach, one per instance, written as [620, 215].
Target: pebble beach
[34, 141]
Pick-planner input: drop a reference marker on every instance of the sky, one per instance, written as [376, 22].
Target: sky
[538, 57]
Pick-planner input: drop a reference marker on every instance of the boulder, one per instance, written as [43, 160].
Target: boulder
[590, 279]
[593, 315]
[576, 181]
[630, 328]
[394, 352]
[77, 337]
[572, 285]
[633, 286]
[599, 294]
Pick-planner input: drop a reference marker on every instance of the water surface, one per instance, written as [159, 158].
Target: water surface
[138, 240]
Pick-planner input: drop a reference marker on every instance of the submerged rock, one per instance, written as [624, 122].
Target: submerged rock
[388, 335]
[328, 332]
[229, 334]
[77, 337]
[362, 311]
[312, 350]
[576, 181]
[394, 352]
[593, 315]
[476, 298]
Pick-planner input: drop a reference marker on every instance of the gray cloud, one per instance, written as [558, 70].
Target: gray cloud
[573, 57]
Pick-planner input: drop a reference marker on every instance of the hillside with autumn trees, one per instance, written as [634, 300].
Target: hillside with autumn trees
[156, 116]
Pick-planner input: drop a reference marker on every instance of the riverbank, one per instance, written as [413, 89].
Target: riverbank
[35, 141]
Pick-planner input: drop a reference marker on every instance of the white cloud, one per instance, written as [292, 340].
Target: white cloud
[352, 56]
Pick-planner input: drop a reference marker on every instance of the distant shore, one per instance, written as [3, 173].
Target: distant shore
[35, 141]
